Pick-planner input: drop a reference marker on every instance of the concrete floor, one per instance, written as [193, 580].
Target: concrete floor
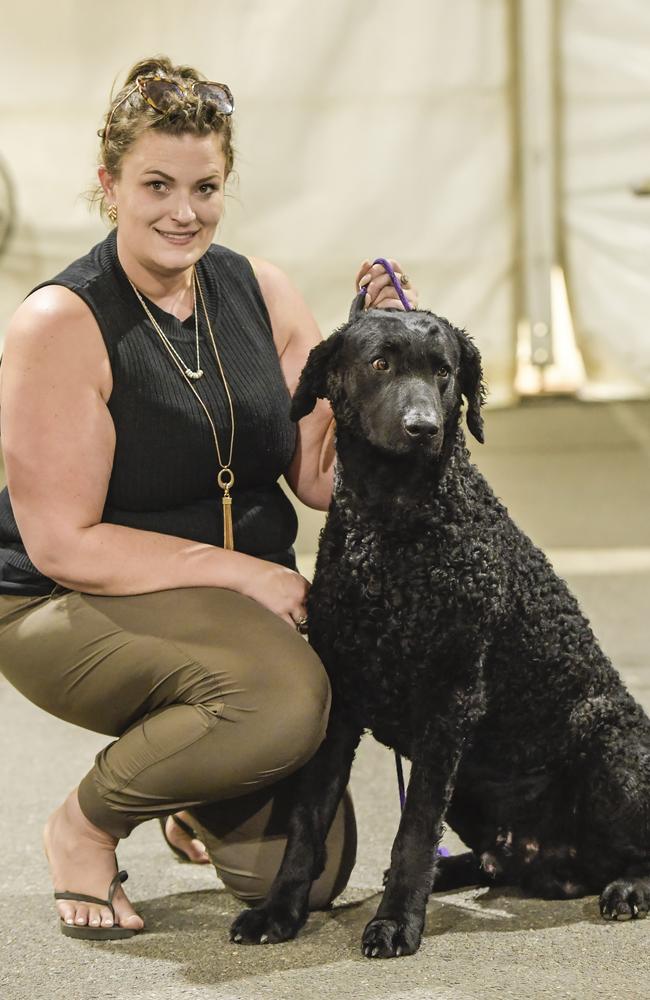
[577, 478]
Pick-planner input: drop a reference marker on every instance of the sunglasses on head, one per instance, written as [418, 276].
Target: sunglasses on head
[162, 94]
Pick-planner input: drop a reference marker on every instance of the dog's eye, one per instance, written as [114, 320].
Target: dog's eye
[443, 371]
[380, 365]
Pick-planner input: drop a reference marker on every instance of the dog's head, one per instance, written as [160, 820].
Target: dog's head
[398, 377]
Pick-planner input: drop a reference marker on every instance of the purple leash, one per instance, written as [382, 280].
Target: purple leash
[395, 280]
[408, 307]
[400, 780]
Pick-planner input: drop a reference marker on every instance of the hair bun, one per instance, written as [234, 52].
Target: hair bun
[155, 66]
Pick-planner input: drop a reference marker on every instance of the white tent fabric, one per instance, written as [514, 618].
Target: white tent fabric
[393, 139]
[363, 129]
[605, 60]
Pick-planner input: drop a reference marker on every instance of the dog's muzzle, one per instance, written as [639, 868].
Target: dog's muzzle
[421, 428]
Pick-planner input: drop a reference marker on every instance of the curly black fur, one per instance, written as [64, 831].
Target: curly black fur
[447, 633]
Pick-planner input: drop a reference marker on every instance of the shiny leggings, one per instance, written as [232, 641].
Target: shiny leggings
[214, 701]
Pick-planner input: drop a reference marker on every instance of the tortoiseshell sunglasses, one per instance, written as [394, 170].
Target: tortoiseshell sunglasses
[160, 94]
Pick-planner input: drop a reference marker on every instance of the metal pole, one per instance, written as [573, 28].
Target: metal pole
[536, 44]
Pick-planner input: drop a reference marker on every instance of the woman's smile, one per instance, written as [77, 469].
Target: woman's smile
[178, 239]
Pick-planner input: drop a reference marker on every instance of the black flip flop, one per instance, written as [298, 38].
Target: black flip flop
[87, 932]
[181, 855]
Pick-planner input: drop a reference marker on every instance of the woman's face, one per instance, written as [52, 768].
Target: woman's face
[169, 197]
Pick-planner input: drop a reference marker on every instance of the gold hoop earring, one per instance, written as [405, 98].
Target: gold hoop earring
[111, 212]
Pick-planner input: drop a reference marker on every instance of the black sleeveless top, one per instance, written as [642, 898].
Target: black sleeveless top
[164, 475]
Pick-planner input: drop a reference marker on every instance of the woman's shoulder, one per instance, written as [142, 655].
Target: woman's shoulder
[55, 318]
[54, 330]
[247, 265]
[225, 257]
[276, 287]
[76, 300]
[256, 278]
[98, 262]
[46, 307]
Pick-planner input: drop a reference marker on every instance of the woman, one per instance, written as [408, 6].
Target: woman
[147, 575]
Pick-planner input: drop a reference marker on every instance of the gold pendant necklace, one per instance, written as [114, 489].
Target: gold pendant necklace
[226, 477]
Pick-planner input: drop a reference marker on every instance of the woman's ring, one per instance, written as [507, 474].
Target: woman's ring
[301, 625]
[404, 280]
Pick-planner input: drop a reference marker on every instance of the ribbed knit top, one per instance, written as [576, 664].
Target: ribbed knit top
[165, 465]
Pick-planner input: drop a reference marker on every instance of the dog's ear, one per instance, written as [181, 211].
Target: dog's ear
[471, 383]
[356, 309]
[313, 378]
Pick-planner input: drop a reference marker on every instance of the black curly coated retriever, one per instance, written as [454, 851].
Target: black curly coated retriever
[446, 632]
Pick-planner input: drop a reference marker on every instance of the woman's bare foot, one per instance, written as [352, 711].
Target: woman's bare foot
[193, 848]
[82, 859]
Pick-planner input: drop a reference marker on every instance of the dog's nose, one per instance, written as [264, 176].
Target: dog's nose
[418, 426]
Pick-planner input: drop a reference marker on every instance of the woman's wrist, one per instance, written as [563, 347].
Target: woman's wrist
[235, 570]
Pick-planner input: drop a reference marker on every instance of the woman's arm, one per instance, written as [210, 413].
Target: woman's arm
[295, 332]
[58, 442]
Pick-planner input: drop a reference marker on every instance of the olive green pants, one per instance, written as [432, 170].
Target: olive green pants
[215, 703]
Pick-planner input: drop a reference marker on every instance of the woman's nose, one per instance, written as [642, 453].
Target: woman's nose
[183, 211]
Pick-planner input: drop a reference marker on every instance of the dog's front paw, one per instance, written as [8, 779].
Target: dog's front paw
[625, 899]
[266, 925]
[390, 939]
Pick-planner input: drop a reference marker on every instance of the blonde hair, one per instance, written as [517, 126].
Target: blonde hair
[134, 117]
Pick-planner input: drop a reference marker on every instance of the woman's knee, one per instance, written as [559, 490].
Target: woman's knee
[247, 857]
[309, 711]
[250, 661]
[300, 701]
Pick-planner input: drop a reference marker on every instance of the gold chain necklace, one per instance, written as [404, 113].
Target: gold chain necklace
[197, 373]
[226, 477]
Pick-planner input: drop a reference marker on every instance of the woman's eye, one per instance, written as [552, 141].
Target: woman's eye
[208, 188]
[380, 365]
[154, 187]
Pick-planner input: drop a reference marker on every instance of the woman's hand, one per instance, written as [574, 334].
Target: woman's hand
[281, 590]
[380, 291]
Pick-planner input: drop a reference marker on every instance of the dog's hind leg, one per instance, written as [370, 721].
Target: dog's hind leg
[553, 872]
[459, 871]
[615, 808]
[628, 897]
[456, 871]
[322, 783]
